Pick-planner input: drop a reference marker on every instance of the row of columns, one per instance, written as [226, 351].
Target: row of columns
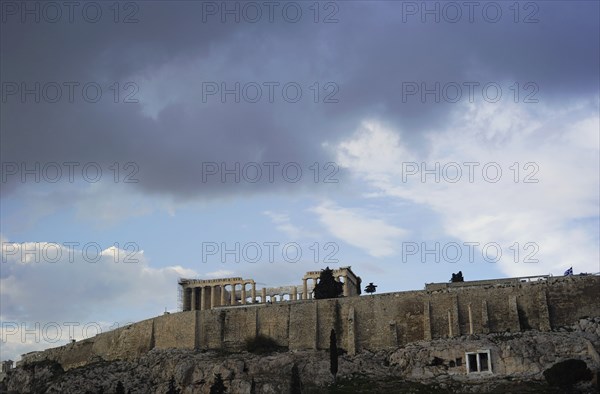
[198, 298]
[218, 295]
[305, 295]
[218, 289]
[294, 296]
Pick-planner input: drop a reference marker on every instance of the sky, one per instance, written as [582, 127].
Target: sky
[146, 141]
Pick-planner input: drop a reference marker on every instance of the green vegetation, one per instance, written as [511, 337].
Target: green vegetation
[362, 384]
[172, 386]
[333, 355]
[328, 287]
[458, 277]
[366, 385]
[218, 387]
[371, 288]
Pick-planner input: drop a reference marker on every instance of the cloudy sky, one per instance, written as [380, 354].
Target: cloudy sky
[150, 140]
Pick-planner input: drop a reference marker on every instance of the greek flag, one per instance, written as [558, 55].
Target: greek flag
[569, 271]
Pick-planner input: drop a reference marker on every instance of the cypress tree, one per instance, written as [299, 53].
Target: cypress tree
[333, 355]
[296, 383]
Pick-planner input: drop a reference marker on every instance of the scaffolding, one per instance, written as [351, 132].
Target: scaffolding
[180, 296]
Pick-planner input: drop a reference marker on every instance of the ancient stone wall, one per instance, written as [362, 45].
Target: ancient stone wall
[570, 294]
[175, 330]
[368, 322]
[241, 323]
[303, 325]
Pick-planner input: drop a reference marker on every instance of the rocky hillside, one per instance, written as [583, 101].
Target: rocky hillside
[519, 365]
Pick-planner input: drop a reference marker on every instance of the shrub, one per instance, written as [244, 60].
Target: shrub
[218, 387]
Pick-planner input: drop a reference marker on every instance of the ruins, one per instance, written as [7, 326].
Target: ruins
[202, 294]
[224, 313]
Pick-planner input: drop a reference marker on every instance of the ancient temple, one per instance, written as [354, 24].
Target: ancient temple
[202, 294]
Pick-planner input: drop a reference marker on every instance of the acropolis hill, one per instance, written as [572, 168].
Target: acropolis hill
[223, 313]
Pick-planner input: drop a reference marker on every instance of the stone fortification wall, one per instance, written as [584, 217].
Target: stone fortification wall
[368, 322]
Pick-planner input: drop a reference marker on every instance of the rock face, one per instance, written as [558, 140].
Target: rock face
[524, 355]
[514, 358]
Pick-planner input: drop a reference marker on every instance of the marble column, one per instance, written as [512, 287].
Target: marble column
[232, 298]
[186, 299]
[203, 298]
[193, 306]
[243, 293]
[304, 290]
[213, 296]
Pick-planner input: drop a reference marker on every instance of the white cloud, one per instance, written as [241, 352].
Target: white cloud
[373, 235]
[284, 224]
[563, 152]
[47, 284]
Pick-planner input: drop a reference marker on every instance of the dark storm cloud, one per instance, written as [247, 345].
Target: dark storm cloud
[170, 52]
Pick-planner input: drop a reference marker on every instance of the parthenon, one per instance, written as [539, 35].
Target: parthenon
[202, 294]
